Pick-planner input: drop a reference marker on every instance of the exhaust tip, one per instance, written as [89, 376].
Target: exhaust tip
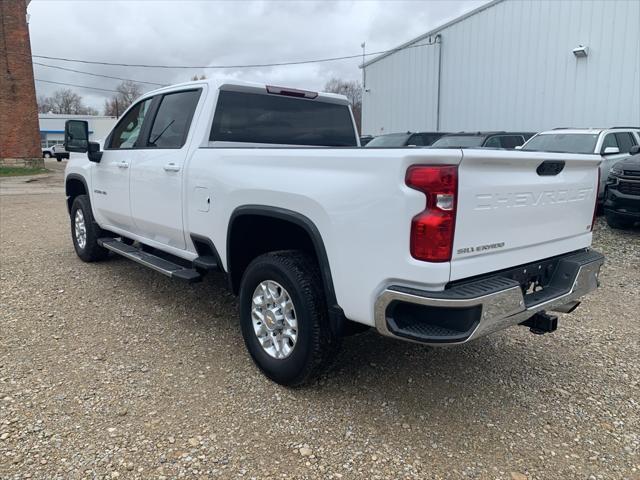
[567, 307]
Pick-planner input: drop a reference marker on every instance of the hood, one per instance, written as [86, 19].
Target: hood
[631, 163]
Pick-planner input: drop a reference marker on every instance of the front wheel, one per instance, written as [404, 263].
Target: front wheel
[85, 231]
[46, 155]
[284, 318]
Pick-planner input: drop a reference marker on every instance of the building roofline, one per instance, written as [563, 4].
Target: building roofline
[432, 32]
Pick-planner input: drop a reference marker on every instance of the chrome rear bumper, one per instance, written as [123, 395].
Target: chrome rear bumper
[471, 310]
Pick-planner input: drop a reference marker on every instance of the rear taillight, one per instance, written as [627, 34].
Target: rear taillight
[432, 230]
[595, 207]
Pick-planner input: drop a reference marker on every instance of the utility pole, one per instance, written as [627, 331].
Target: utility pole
[364, 73]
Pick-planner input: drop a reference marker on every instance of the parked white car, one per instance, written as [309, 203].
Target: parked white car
[436, 246]
[609, 144]
[59, 152]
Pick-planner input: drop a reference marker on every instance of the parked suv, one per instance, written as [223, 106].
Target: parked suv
[408, 139]
[622, 197]
[611, 144]
[509, 140]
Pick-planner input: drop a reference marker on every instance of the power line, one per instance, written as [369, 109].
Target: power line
[96, 74]
[74, 85]
[253, 65]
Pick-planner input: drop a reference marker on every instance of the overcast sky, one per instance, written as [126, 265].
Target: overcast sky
[221, 33]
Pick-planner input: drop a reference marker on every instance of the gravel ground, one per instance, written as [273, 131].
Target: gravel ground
[110, 370]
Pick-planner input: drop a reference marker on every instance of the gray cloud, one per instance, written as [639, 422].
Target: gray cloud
[208, 33]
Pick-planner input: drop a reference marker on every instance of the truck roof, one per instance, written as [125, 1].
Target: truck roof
[240, 85]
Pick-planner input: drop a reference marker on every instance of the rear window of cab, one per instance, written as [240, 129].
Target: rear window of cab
[274, 119]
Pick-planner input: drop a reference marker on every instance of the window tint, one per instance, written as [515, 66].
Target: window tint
[511, 141]
[625, 141]
[171, 125]
[274, 119]
[416, 140]
[429, 139]
[128, 129]
[609, 141]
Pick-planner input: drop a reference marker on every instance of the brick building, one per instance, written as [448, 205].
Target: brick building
[19, 132]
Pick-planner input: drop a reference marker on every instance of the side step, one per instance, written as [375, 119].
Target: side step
[158, 264]
[206, 262]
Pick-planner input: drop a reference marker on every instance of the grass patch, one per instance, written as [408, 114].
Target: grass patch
[18, 171]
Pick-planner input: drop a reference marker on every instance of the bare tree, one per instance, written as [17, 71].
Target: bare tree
[64, 101]
[45, 105]
[352, 89]
[128, 91]
[196, 77]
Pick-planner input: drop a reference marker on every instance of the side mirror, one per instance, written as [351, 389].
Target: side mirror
[635, 150]
[93, 152]
[76, 136]
[611, 151]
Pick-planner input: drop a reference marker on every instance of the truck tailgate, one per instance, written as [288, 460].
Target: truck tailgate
[515, 207]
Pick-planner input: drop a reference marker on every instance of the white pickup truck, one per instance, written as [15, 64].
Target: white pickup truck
[318, 236]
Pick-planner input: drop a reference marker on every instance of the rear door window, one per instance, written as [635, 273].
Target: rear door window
[276, 119]
[171, 124]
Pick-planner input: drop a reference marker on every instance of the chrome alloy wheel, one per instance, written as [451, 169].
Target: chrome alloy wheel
[80, 229]
[274, 319]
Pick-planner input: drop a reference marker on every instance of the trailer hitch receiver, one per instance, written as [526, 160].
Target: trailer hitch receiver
[541, 323]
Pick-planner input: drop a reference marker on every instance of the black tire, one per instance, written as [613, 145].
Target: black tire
[315, 346]
[46, 155]
[91, 251]
[615, 221]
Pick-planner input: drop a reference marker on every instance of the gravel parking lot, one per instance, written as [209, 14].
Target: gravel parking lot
[111, 370]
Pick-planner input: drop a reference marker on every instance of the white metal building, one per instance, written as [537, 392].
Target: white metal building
[52, 127]
[526, 65]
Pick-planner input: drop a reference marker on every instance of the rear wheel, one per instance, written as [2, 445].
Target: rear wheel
[284, 317]
[85, 231]
[46, 155]
[616, 221]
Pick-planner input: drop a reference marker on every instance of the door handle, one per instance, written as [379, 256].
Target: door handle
[171, 167]
[123, 164]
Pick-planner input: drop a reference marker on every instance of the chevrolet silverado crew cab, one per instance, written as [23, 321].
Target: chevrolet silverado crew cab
[317, 236]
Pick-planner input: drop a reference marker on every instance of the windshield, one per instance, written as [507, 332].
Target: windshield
[562, 143]
[391, 140]
[458, 141]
